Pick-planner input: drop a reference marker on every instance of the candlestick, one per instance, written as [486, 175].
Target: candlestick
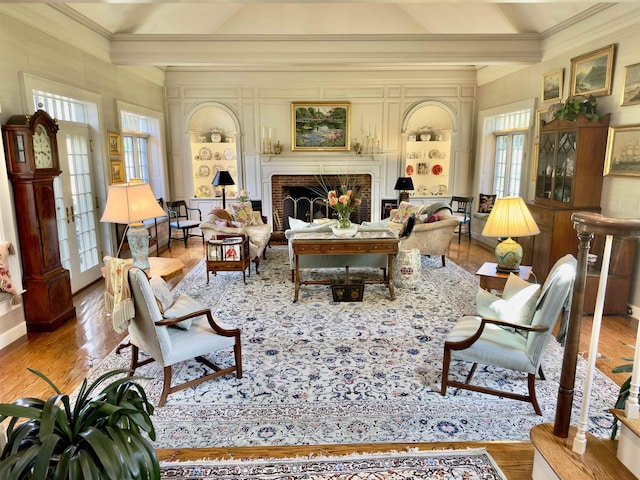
[269, 133]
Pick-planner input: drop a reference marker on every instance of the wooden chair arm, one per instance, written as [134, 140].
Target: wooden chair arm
[217, 328]
[467, 342]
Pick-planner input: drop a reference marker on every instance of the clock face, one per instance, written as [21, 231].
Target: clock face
[42, 148]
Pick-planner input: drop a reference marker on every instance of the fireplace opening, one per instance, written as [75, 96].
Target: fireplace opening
[302, 197]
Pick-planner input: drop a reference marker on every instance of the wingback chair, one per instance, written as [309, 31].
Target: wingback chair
[500, 343]
[150, 332]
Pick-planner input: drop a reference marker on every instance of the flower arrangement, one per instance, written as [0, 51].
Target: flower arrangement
[344, 200]
[243, 196]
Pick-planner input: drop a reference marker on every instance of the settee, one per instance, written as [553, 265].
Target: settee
[433, 229]
[239, 219]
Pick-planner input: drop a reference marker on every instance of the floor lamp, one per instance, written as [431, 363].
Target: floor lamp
[222, 179]
[131, 204]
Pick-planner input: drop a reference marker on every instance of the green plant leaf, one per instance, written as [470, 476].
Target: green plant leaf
[41, 466]
[106, 450]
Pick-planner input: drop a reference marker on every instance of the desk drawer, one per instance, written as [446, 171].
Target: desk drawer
[307, 248]
[390, 248]
[342, 249]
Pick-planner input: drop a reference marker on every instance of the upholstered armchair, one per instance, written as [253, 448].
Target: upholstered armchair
[180, 332]
[432, 232]
[517, 334]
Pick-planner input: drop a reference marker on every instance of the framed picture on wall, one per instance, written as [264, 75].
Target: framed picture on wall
[320, 126]
[117, 172]
[623, 154]
[591, 73]
[631, 85]
[552, 86]
[115, 143]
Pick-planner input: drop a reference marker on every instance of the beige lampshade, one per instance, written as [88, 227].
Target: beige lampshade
[131, 203]
[510, 217]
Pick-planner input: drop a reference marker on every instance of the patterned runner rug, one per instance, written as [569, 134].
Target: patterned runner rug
[469, 464]
[323, 372]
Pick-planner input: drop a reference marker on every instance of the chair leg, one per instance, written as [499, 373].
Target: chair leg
[471, 372]
[185, 237]
[446, 361]
[134, 359]
[532, 393]
[541, 373]
[237, 350]
[443, 262]
[166, 386]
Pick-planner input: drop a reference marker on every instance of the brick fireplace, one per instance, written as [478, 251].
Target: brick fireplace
[308, 186]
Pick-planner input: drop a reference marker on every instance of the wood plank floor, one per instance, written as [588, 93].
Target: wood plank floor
[67, 355]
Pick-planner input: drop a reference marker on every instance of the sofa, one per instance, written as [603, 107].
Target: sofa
[434, 227]
[239, 219]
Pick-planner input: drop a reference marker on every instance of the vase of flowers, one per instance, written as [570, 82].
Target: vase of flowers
[344, 200]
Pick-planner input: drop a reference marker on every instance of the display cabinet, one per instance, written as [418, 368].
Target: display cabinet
[427, 162]
[568, 179]
[207, 158]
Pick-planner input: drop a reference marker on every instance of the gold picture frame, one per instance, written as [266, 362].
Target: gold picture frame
[623, 154]
[591, 73]
[541, 113]
[631, 86]
[115, 143]
[117, 172]
[534, 162]
[552, 86]
[320, 126]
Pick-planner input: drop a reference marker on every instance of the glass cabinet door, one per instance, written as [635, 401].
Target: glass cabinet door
[546, 165]
[564, 167]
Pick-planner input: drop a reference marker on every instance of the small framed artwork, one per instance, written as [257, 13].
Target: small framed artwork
[552, 86]
[631, 85]
[623, 151]
[117, 172]
[540, 114]
[422, 168]
[591, 73]
[320, 126]
[115, 143]
[387, 206]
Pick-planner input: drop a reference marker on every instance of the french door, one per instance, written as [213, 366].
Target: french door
[76, 211]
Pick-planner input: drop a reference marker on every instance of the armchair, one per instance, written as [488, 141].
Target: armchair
[430, 238]
[461, 207]
[508, 344]
[152, 333]
[181, 217]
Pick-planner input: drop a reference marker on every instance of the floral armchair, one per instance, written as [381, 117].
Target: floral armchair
[433, 229]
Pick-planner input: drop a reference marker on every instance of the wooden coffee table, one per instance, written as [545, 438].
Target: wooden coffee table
[229, 258]
[325, 243]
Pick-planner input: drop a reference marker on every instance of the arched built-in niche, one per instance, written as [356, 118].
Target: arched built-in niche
[214, 144]
[428, 133]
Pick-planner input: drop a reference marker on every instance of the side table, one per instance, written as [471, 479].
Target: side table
[491, 279]
[228, 253]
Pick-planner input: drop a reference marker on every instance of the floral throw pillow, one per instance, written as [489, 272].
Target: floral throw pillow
[404, 212]
[242, 212]
[6, 285]
[486, 203]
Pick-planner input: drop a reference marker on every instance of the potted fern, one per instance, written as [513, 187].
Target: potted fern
[98, 437]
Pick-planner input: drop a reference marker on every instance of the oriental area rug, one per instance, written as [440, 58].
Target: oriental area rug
[324, 372]
[472, 464]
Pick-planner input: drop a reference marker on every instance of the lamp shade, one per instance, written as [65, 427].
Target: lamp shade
[510, 217]
[223, 178]
[404, 183]
[131, 203]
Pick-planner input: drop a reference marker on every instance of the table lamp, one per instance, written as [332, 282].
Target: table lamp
[509, 217]
[130, 204]
[404, 184]
[222, 179]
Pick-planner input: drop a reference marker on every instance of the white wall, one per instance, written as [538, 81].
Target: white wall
[621, 195]
[25, 50]
[379, 101]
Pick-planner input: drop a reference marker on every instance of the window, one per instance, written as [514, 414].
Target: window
[508, 163]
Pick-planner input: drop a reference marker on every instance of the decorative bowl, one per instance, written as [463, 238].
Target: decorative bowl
[344, 232]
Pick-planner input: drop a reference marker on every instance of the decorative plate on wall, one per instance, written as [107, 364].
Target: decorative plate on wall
[436, 169]
[409, 170]
[204, 191]
[228, 154]
[205, 154]
[204, 171]
[433, 154]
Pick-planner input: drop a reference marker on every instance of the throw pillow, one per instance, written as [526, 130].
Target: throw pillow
[6, 285]
[433, 218]
[184, 305]
[486, 203]
[163, 294]
[404, 211]
[242, 212]
[517, 304]
[222, 214]
[407, 226]
[295, 224]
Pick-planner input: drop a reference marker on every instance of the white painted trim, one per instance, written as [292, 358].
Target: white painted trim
[13, 334]
[541, 469]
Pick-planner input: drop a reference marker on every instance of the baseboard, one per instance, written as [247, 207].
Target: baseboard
[13, 334]
[635, 311]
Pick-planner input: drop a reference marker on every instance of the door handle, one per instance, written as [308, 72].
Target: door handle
[73, 214]
[68, 217]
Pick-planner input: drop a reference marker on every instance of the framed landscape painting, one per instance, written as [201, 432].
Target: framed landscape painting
[114, 143]
[552, 86]
[623, 151]
[631, 86]
[320, 126]
[591, 73]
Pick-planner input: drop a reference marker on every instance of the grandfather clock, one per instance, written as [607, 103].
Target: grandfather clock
[31, 151]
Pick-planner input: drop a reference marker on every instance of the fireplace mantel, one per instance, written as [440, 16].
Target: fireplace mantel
[314, 157]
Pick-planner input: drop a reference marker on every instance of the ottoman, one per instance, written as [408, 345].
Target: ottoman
[407, 268]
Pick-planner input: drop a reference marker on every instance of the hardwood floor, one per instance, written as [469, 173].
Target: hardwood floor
[67, 354]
